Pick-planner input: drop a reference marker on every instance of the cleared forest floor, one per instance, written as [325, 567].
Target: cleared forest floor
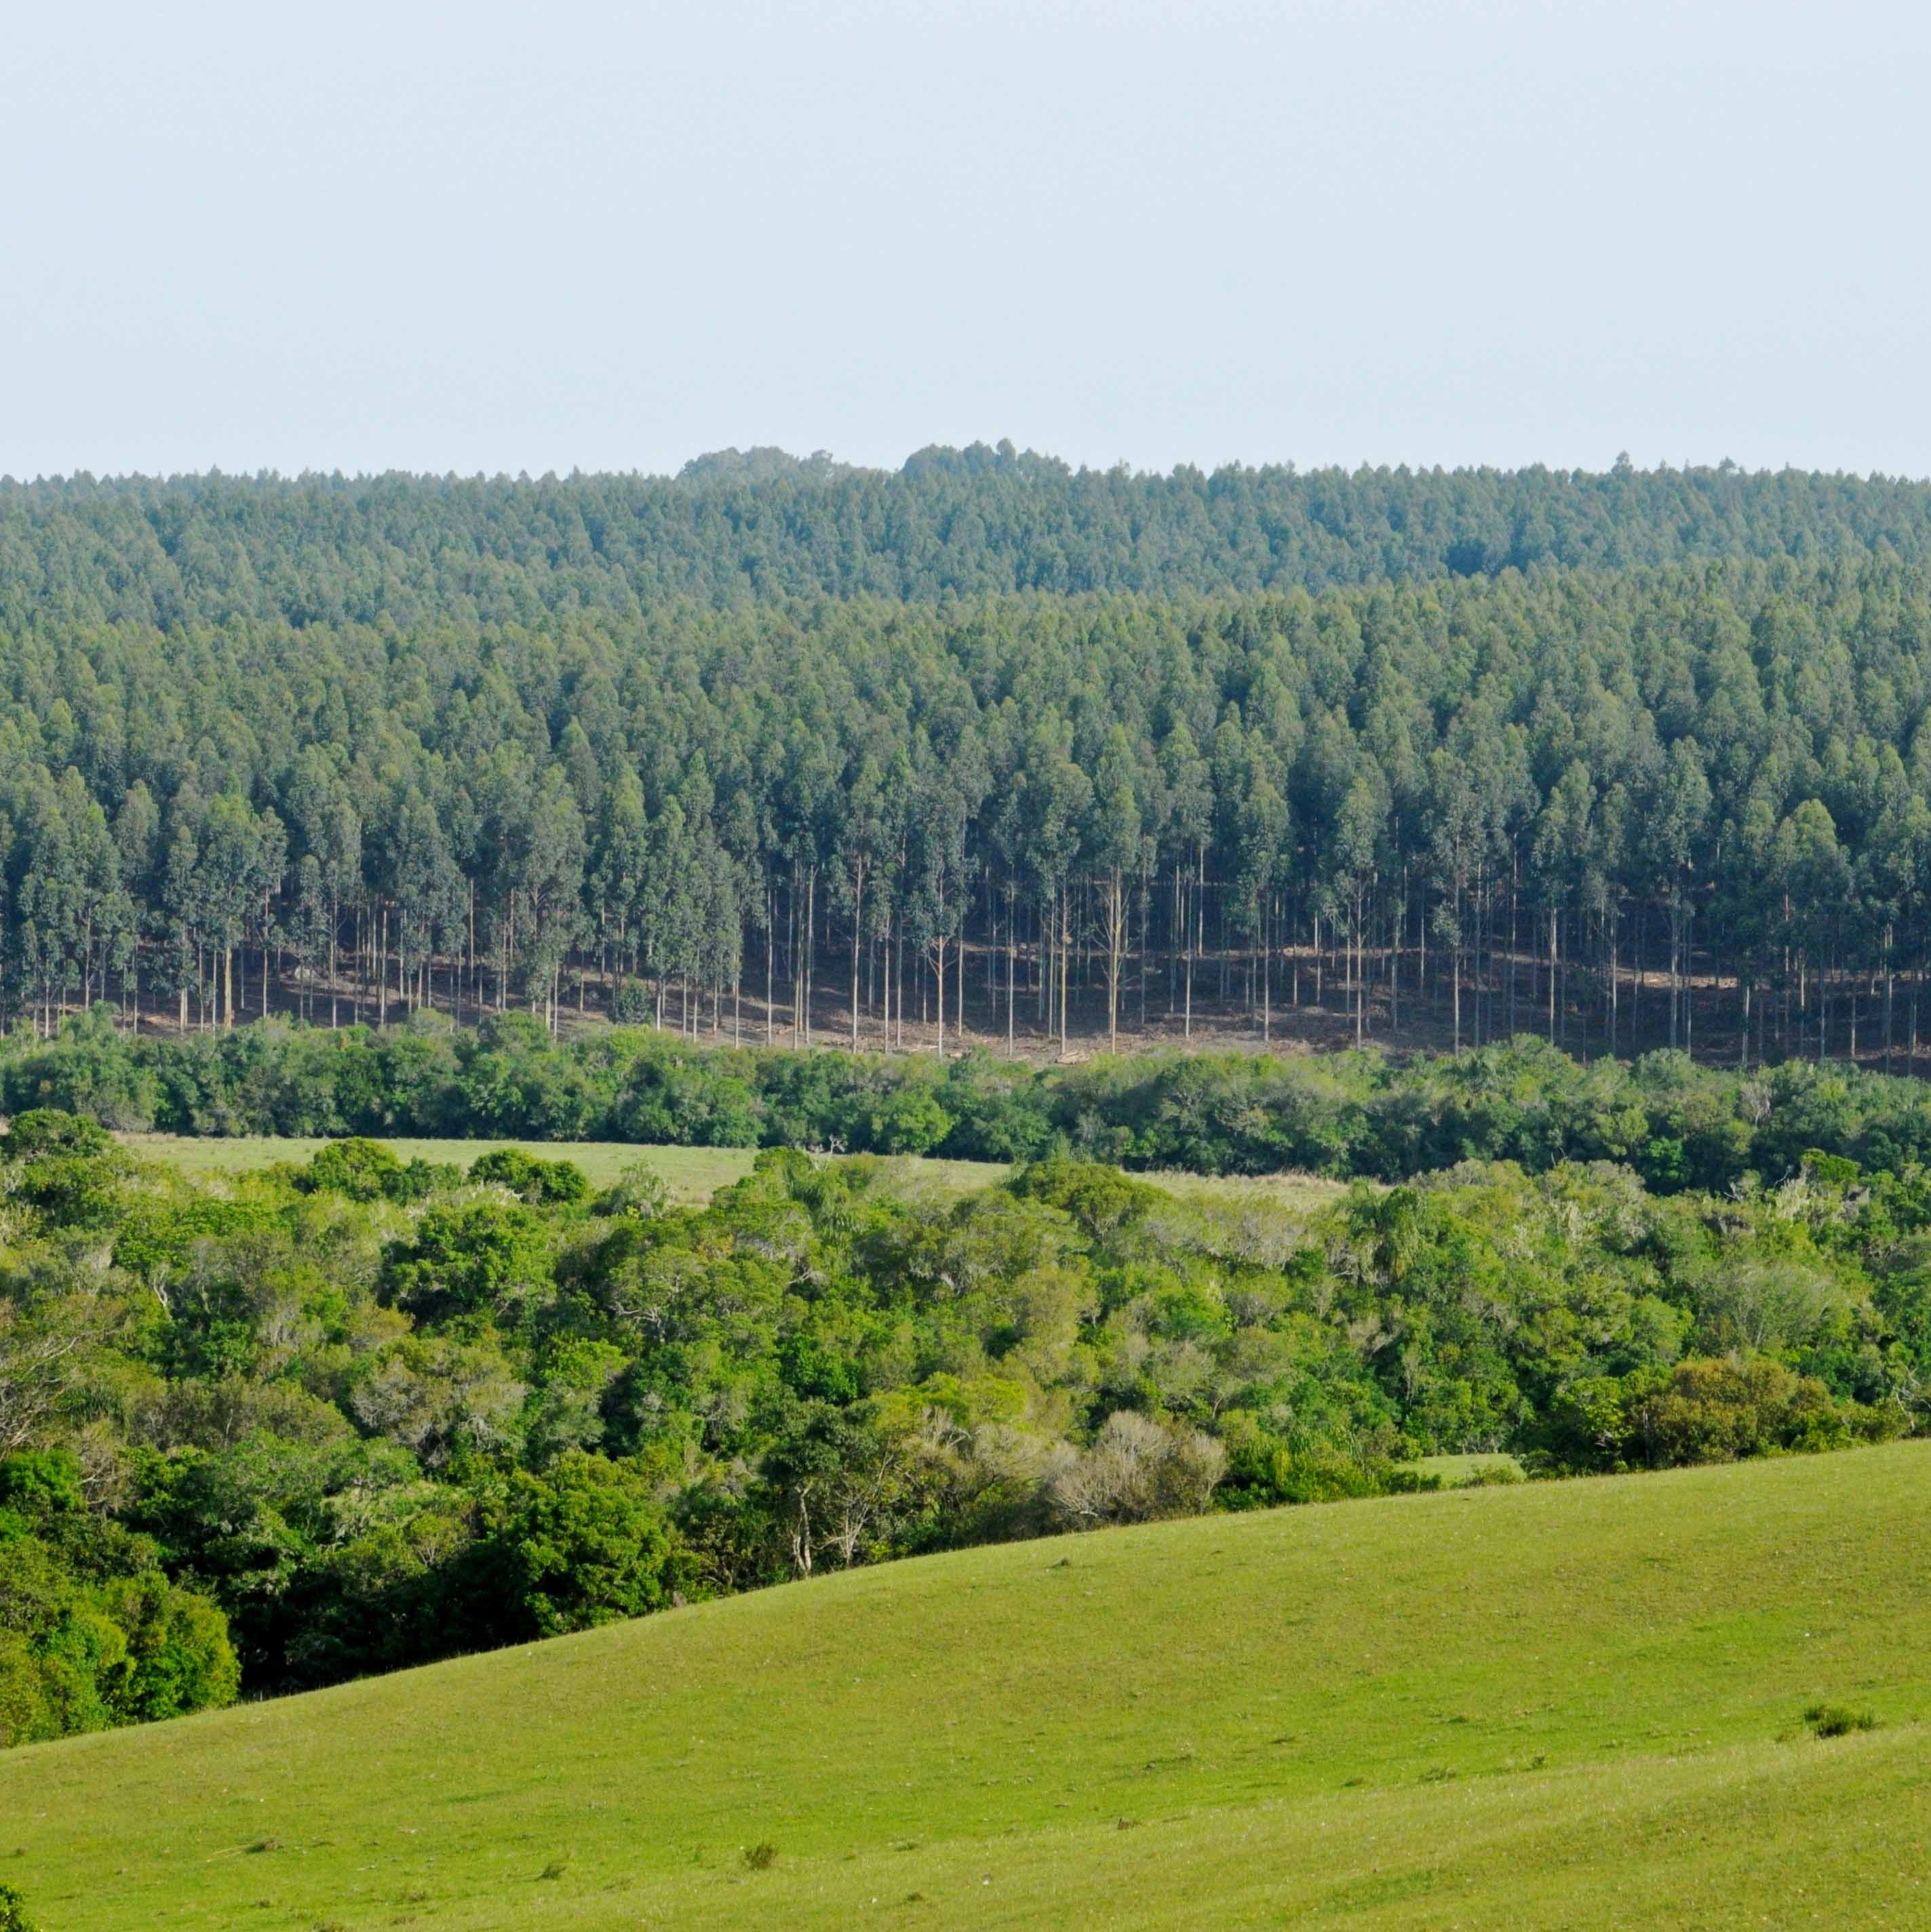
[1153, 1017]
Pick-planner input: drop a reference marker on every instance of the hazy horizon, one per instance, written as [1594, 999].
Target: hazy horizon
[1464, 233]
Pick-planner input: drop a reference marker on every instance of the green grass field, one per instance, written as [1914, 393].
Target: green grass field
[1574, 1705]
[1453, 1469]
[691, 1174]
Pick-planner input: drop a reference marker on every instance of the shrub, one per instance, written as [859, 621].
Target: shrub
[39, 1481]
[1717, 1411]
[1136, 1471]
[66, 1169]
[13, 1911]
[1838, 1720]
[361, 1169]
[1263, 1474]
[1100, 1199]
[45, 1131]
[1490, 1476]
[638, 1192]
[908, 1120]
[178, 1656]
[584, 1544]
[538, 1181]
[470, 1257]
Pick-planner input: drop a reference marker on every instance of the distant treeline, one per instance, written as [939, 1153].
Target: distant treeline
[329, 550]
[1343, 1115]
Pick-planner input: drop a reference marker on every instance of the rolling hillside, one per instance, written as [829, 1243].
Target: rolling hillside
[1576, 1705]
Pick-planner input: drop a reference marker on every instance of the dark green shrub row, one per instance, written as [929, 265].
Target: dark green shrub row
[1348, 1115]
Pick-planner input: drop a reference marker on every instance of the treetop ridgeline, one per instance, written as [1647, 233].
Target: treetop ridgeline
[986, 749]
[759, 524]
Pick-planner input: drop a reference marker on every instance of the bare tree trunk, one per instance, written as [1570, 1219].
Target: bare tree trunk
[1551, 975]
[1011, 963]
[857, 902]
[1065, 955]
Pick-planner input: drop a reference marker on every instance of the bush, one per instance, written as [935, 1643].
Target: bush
[638, 1192]
[1719, 1411]
[45, 1131]
[909, 1121]
[361, 1169]
[545, 1182]
[1137, 1471]
[77, 1653]
[1264, 1475]
[470, 1257]
[178, 1658]
[1490, 1476]
[1102, 1199]
[585, 1544]
[13, 1911]
[40, 1481]
[1838, 1720]
[66, 1169]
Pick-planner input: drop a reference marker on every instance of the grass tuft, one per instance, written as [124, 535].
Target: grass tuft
[1838, 1720]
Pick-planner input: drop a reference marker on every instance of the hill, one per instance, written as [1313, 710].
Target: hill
[986, 754]
[1575, 1705]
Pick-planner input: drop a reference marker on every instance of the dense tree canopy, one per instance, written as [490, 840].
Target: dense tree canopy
[326, 550]
[358, 1413]
[1658, 777]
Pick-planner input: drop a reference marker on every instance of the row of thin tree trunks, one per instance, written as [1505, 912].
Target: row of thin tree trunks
[1611, 982]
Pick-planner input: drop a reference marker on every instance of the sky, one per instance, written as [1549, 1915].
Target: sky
[579, 235]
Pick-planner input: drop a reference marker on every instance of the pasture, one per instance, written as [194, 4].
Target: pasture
[1577, 1704]
[691, 1175]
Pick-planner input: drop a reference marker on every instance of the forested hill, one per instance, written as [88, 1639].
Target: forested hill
[322, 549]
[349, 749]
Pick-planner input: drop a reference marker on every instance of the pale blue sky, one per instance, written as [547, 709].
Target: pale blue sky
[608, 237]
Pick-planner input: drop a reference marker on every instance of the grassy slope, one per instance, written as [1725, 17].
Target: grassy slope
[692, 1174]
[1566, 1705]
